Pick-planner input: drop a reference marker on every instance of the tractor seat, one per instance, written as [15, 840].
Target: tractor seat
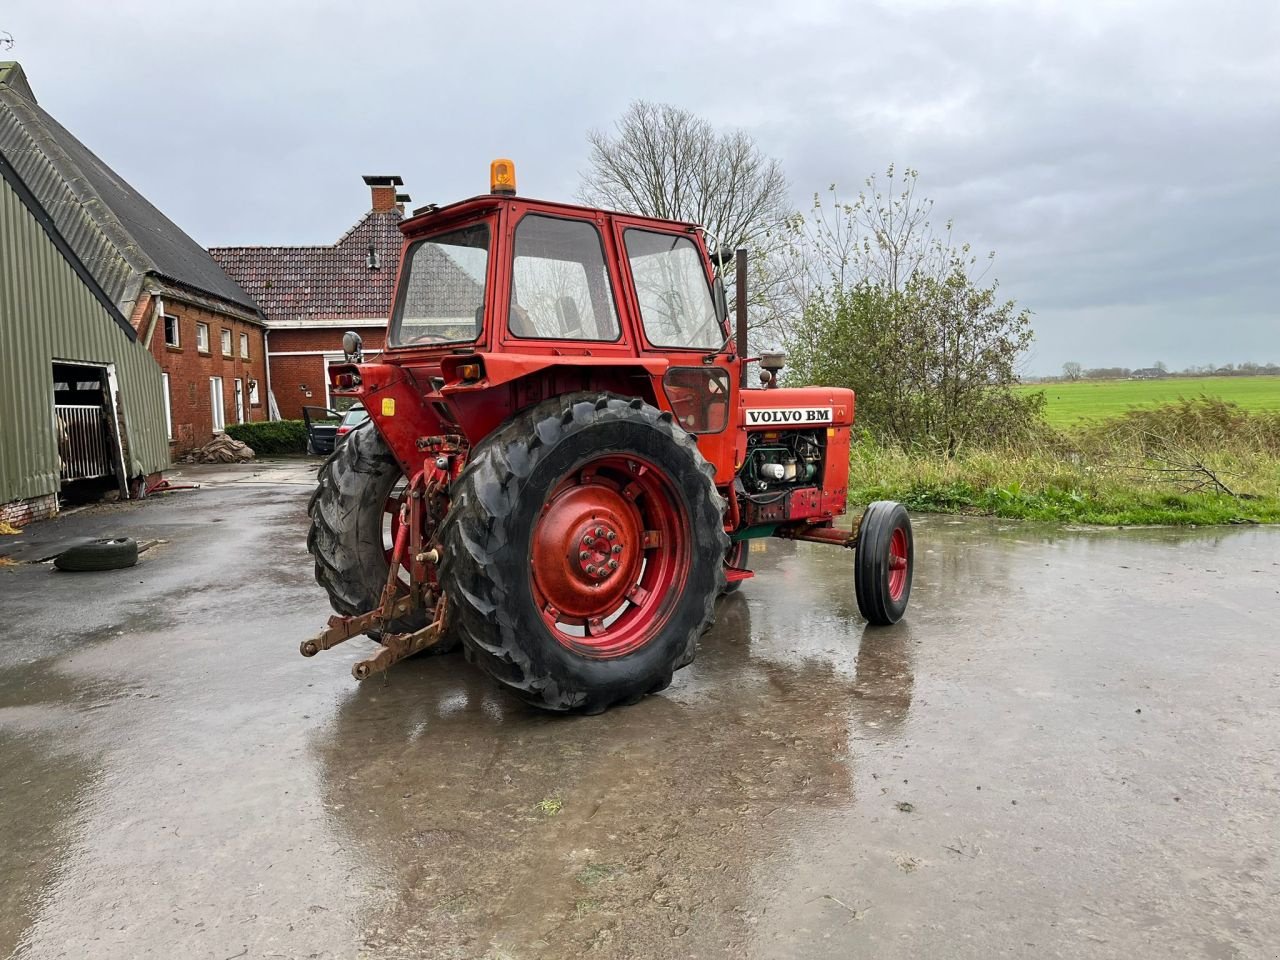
[570, 319]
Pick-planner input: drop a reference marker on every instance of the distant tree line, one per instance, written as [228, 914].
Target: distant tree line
[1072, 371]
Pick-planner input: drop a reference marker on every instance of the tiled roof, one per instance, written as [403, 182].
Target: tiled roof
[323, 282]
[115, 232]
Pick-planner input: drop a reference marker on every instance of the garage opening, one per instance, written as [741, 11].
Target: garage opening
[88, 452]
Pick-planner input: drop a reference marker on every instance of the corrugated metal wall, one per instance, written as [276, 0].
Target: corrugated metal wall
[47, 314]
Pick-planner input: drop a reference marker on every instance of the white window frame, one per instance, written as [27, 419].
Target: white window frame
[327, 359]
[237, 392]
[244, 346]
[217, 405]
[168, 405]
[202, 337]
[177, 330]
[255, 399]
[225, 336]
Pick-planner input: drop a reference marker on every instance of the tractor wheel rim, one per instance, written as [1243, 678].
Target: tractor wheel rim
[899, 565]
[609, 556]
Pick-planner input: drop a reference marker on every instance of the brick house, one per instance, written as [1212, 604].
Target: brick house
[310, 295]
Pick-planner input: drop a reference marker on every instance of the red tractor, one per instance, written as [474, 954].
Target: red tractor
[562, 467]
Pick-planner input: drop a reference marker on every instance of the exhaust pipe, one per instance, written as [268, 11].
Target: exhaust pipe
[740, 304]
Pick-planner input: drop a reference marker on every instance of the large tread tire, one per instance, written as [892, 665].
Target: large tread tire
[98, 555]
[872, 570]
[346, 536]
[486, 540]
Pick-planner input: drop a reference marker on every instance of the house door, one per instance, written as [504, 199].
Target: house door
[215, 402]
[239, 392]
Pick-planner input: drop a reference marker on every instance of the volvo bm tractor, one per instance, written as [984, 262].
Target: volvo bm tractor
[563, 466]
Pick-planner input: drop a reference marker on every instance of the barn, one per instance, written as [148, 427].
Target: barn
[102, 299]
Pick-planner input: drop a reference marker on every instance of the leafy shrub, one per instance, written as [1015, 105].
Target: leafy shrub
[271, 437]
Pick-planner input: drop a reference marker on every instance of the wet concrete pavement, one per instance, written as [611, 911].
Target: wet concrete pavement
[1069, 749]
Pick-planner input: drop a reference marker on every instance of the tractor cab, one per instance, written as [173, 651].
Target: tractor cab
[562, 458]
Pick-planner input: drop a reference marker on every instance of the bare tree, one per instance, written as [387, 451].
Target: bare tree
[1072, 370]
[663, 161]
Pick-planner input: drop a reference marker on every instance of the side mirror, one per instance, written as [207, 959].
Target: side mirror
[721, 300]
[353, 347]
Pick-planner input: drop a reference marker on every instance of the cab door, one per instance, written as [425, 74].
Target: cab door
[668, 285]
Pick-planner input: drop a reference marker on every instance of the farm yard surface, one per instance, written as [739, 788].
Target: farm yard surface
[1083, 401]
[1066, 749]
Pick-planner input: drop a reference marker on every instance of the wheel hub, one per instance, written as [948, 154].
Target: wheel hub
[586, 550]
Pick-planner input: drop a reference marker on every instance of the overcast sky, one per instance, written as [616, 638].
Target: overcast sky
[1121, 158]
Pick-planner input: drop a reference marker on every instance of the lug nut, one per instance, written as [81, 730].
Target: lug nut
[613, 564]
[588, 540]
[591, 571]
[617, 548]
[599, 531]
[611, 535]
[584, 555]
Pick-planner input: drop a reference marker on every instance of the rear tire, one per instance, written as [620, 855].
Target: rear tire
[346, 539]
[883, 563]
[574, 483]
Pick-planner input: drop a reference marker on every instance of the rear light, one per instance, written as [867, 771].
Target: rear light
[345, 381]
[343, 430]
[468, 371]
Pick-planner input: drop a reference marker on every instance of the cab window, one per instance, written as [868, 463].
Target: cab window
[559, 286]
[441, 298]
[671, 286]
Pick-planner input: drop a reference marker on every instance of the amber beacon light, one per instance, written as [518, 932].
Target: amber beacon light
[502, 177]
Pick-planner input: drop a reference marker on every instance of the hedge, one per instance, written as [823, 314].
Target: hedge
[271, 437]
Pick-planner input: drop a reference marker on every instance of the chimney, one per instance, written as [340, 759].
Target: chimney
[401, 200]
[383, 189]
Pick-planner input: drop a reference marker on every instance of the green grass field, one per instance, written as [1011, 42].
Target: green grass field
[1085, 401]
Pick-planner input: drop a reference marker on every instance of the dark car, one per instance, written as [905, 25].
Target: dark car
[352, 419]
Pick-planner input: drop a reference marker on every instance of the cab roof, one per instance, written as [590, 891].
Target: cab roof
[425, 219]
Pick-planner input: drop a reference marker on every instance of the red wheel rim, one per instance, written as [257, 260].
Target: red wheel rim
[609, 556]
[898, 564]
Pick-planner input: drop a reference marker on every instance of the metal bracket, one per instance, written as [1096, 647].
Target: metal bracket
[341, 629]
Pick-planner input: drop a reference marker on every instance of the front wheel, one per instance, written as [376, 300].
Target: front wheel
[883, 562]
[583, 552]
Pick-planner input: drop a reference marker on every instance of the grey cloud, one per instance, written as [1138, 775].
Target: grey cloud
[1120, 158]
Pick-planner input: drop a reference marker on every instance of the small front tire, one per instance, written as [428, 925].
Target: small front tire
[884, 562]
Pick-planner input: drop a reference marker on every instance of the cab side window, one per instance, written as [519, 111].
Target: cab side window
[560, 289]
[673, 291]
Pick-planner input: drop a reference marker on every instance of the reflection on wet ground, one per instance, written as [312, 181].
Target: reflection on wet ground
[1067, 749]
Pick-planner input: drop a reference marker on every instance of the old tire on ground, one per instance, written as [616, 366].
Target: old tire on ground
[583, 552]
[348, 510]
[738, 555]
[883, 563]
[113, 554]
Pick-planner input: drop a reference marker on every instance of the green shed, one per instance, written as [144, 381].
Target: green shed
[82, 401]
